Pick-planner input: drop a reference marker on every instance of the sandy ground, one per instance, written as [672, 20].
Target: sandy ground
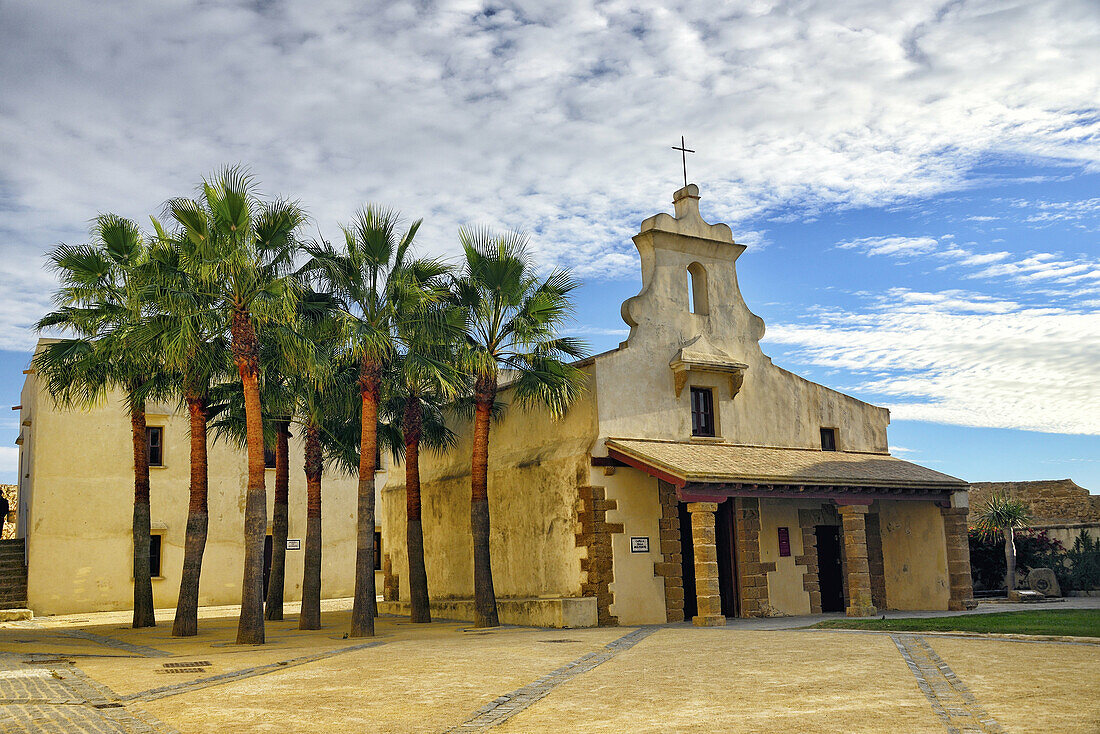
[429, 678]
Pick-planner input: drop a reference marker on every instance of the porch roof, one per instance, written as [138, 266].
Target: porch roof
[697, 463]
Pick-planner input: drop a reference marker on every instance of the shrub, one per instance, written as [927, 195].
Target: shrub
[1034, 549]
[1083, 563]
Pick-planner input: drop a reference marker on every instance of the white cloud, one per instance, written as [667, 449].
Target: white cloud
[965, 360]
[892, 246]
[556, 118]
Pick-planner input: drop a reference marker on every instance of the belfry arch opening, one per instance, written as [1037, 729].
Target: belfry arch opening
[698, 301]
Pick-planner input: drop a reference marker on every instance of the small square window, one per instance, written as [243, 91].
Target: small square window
[154, 445]
[828, 439]
[702, 411]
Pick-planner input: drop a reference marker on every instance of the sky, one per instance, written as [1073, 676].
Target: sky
[917, 183]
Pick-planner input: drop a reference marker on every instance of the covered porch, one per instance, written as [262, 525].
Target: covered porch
[751, 531]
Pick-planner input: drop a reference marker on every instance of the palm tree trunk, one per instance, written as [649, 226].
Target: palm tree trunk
[310, 618]
[250, 629]
[187, 605]
[1010, 560]
[364, 604]
[143, 583]
[414, 531]
[485, 601]
[280, 523]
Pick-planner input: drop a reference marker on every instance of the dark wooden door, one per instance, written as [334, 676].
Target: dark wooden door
[724, 539]
[687, 556]
[829, 571]
[267, 562]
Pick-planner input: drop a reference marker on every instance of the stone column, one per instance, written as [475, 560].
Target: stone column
[958, 558]
[707, 591]
[856, 568]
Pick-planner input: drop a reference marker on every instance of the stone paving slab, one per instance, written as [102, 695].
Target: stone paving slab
[505, 707]
[950, 698]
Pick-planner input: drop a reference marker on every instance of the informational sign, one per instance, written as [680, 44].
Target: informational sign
[784, 542]
[639, 545]
[294, 544]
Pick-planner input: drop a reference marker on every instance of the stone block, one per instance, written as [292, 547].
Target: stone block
[667, 569]
[706, 554]
[702, 507]
[716, 620]
[707, 587]
[1044, 581]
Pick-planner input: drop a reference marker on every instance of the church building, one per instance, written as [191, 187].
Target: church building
[693, 479]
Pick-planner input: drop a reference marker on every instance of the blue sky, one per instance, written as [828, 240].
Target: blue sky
[917, 182]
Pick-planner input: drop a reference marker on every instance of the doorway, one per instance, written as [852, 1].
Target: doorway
[687, 558]
[830, 574]
[724, 540]
[724, 536]
[268, 547]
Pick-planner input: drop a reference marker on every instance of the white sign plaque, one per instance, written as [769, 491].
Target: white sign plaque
[639, 545]
[294, 544]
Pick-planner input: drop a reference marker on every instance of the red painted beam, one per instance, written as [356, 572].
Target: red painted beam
[652, 471]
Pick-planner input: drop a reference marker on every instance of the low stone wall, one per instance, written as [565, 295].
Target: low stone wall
[1050, 501]
[560, 612]
[1066, 533]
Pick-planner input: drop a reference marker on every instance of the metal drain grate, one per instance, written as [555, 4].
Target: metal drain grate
[197, 666]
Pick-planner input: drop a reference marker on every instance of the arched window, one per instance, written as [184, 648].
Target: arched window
[697, 289]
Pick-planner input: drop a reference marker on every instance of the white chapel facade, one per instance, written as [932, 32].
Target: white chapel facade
[693, 479]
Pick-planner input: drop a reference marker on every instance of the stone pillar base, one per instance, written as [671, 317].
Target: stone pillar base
[865, 611]
[961, 606]
[709, 620]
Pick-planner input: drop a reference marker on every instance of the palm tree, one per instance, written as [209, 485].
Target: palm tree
[244, 249]
[424, 377]
[513, 319]
[189, 334]
[369, 277]
[325, 404]
[101, 298]
[1002, 515]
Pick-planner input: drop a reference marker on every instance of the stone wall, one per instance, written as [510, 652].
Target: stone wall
[7, 524]
[1050, 501]
[671, 566]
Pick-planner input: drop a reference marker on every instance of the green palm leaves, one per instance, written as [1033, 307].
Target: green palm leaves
[512, 324]
[359, 344]
[101, 302]
[1004, 515]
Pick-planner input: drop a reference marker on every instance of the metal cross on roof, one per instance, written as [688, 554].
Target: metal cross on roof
[684, 150]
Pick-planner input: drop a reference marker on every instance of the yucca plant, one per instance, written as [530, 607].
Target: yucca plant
[1002, 515]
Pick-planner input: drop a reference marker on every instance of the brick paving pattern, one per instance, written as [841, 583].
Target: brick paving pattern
[42, 695]
[501, 709]
[47, 697]
[950, 698]
[143, 650]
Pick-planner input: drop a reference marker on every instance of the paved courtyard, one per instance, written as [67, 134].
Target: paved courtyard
[94, 674]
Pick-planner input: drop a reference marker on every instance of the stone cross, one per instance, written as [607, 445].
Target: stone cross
[684, 150]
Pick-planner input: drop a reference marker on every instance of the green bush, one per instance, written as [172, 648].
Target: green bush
[1083, 563]
[1077, 569]
[1034, 549]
